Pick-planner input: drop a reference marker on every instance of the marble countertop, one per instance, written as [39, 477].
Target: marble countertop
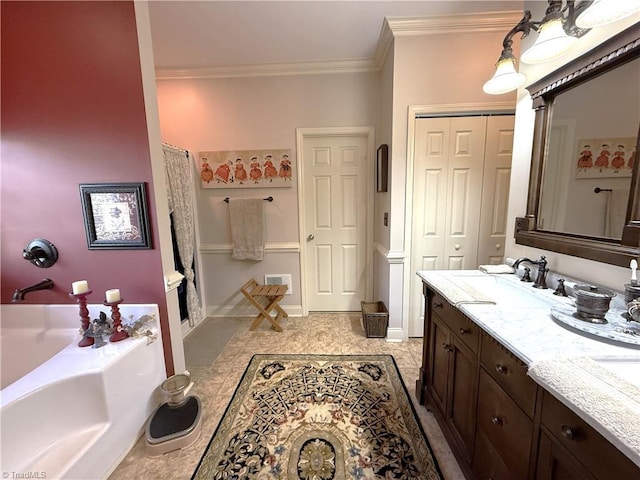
[521, 320]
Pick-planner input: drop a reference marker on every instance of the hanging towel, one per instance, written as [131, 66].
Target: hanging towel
[616, 212]
[247, 228]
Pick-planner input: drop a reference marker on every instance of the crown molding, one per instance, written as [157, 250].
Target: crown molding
[269, 70]
[392, 27]
[442, 24]
[464, 23]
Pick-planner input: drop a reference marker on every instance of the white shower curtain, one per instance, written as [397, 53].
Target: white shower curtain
[179, 185]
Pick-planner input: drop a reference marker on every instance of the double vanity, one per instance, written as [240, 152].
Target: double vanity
[521, 393]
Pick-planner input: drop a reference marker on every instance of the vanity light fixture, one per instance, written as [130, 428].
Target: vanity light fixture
[506, 77]
[557, 33]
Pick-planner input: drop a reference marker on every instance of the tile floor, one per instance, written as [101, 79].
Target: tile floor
[337, 333]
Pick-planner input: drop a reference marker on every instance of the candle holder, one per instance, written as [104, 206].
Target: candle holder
[81, 299]
[118, 332]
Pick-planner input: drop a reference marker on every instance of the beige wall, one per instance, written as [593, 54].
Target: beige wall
[382, 200]
[587, 270]
[244, 113]
[429, 70]
[255, 113]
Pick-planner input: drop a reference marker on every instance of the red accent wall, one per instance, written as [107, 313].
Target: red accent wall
[72, 112]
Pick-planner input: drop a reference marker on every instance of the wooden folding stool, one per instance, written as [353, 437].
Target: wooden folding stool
[273, 294]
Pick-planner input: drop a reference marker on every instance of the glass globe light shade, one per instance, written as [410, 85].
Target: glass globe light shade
[505, 79]
[552, 42]
[603, 12]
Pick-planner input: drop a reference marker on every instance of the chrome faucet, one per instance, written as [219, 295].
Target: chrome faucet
[541, 278]
[18, 295]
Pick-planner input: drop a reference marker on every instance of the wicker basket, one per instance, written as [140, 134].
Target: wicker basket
[375, 317]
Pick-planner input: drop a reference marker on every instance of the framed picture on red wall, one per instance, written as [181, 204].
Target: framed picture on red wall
[115, 215]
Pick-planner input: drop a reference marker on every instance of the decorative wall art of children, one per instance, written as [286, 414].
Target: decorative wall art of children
[605, 157]
[246, 168]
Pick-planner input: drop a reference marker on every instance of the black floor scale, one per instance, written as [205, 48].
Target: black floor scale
[177, 423]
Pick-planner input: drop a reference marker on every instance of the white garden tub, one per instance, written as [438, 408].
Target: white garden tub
[66, 411]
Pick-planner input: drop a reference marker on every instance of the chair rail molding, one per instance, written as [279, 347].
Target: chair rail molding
[392, 256]
[275, 247]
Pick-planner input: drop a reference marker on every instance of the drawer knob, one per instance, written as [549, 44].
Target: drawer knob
[496, 420]
[465, 331]
[447, 347]
[567, 432]
[437, 305]
[501, 369]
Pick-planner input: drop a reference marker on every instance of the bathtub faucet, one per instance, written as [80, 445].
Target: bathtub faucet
[541, 279]
[18, 295]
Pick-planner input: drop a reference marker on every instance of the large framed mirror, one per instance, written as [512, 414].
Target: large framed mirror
[584, 187]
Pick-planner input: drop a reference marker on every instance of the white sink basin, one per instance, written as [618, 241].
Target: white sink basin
[625, 368]
[506, 291]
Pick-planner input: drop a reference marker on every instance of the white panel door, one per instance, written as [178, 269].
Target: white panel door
[495, 189]
[334, 188]
[460, 191]
[464, 192]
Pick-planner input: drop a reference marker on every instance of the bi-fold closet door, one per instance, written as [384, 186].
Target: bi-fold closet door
[462, 168]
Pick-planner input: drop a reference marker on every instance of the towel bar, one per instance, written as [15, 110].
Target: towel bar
[268, 199]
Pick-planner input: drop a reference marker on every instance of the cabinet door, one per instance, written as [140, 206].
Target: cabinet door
[463, 390]
[555, 464]
[440, 338]
[487, 462]
[584, 444]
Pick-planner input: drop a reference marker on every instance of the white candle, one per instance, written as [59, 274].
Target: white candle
[81, 286]
[113, 295]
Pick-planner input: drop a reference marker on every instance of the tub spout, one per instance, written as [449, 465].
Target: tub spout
[18, 295]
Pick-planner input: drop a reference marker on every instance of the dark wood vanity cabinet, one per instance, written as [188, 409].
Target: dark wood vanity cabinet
[499, 423]
[453, 385]
[449, 374]
[571, 449]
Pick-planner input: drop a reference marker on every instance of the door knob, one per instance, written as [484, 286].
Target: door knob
[310, 237]
[457, 247]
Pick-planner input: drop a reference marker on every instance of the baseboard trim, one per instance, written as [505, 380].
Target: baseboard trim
[395, 335]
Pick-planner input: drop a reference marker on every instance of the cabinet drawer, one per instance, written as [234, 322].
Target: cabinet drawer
[590, 448]
[505, 426]
[510, 373]
[461, 326]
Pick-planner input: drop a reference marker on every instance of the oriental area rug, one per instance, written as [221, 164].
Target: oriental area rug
[319, 417]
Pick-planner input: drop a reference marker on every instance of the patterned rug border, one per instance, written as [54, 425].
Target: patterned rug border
[301, 356]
